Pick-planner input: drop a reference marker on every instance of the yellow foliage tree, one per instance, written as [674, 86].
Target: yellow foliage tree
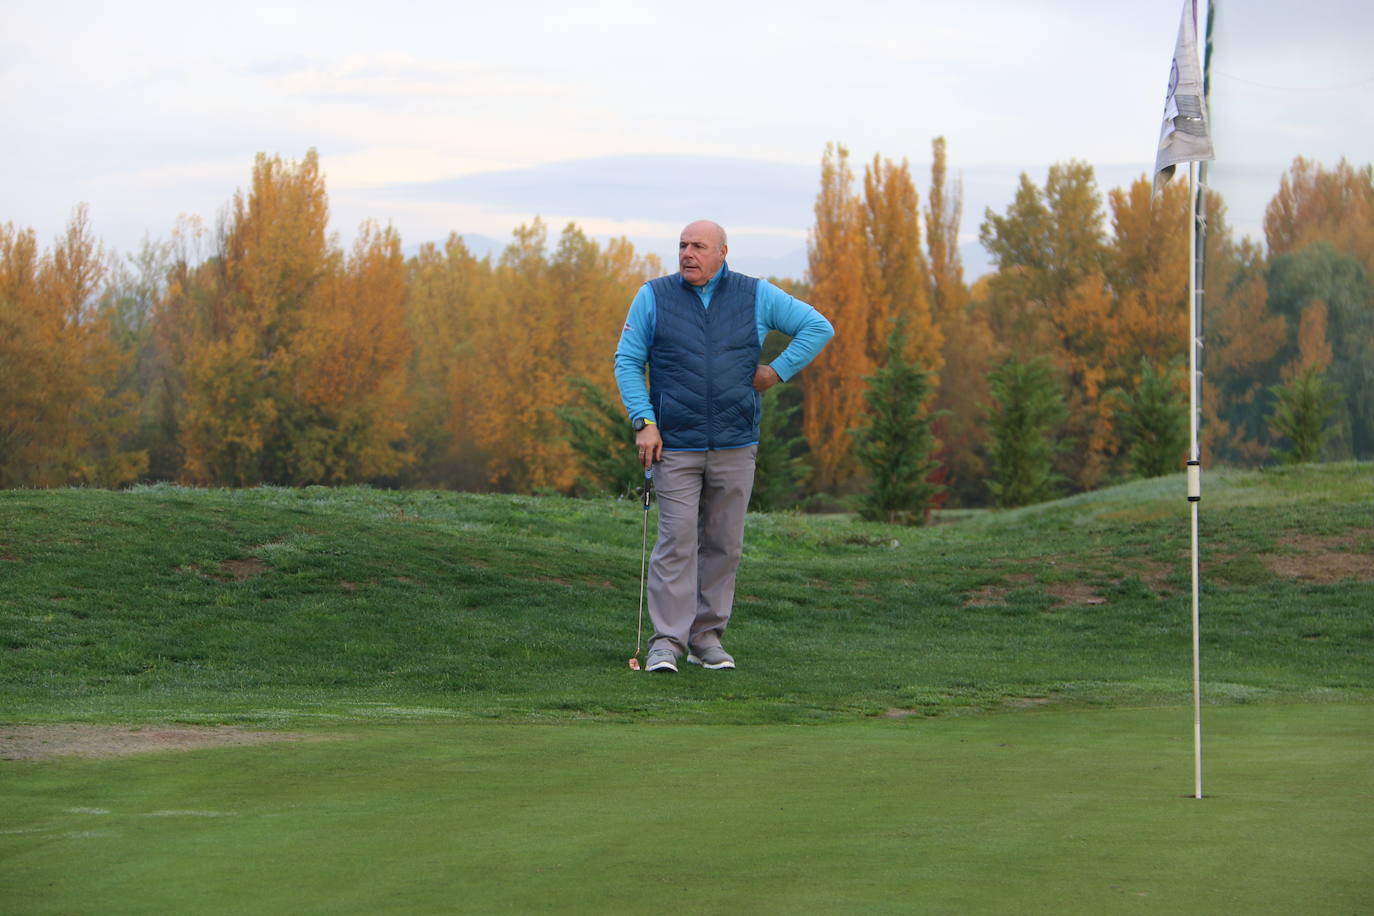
[445, 291]
[550, 320]
[349, 400]
[243, 313]
[892, 231]
[290, 356]
[1317, 204]
[1148, 270]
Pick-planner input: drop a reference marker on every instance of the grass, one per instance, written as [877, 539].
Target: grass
[270, 606]
[996, 708]
[1035, 812]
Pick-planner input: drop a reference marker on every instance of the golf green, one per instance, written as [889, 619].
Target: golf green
[1033, 811]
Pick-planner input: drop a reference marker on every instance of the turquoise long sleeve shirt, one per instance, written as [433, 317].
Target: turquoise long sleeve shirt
[774, 310]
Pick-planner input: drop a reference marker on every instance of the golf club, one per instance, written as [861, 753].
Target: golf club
[643, 566]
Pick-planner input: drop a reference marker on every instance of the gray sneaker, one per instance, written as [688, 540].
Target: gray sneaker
[661, 660]
[711, 657]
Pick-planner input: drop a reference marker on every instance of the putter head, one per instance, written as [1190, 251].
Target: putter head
[634, 663]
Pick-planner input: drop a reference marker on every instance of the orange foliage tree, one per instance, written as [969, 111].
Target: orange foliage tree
[841, 272]
[1147, 266]
[289, 356]
[63, 419]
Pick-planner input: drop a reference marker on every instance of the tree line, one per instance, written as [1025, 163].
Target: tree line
[259, 351]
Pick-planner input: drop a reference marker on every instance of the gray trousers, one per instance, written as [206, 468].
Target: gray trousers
[702, 500]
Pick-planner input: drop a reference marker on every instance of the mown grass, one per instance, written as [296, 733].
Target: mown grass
[1043, 812]
[434, 636]
[276, 606]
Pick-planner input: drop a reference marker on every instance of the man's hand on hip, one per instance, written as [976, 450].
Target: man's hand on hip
[765, 377]
[650, 445]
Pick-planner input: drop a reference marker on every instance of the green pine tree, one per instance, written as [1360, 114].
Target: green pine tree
[1154, 420]
[895, 446]
[1028, 407]
[1302, 415]
[604, 442]
[779, 467]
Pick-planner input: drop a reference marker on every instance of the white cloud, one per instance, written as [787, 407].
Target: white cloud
[383, 167]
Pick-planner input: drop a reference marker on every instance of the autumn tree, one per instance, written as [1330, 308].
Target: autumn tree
[28, 334]
[841, 271]
[968, 343]
[899, 284]
[943, 214]
[1051, 295]
[551, 319]
[63, 416]
[137, 285]
[290, 355]
[344, 417]
[1321, 288]
[1315, 204]
[1243, 343]
[241, 314]
[1147, 267]
[446, 289]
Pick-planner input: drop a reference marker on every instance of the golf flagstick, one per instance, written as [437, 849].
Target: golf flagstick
[643, 566]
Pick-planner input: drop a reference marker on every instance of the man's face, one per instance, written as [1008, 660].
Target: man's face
[700, 252]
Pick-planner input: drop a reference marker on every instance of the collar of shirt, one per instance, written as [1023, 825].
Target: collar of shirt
[709, 288]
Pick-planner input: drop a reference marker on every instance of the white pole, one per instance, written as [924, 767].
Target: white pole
[1194, 468]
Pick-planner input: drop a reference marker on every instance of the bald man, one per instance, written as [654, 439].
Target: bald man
[700, 333]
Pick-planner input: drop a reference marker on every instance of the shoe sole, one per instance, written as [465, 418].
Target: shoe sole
[663, 666]
[715, 667]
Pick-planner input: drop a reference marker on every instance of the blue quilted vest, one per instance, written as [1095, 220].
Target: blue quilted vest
[702, 362]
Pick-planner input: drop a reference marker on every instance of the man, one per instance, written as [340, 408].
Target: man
[700, 331]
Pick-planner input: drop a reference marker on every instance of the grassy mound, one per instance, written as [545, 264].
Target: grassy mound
[273, 606]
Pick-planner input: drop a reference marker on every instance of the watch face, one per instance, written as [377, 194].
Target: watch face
[639, 423]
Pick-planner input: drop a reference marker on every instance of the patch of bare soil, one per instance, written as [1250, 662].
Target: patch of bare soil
[238, 570]
[986, 596]
[42, 742]
[1074, 593]
[996, 595]
[1323, 560]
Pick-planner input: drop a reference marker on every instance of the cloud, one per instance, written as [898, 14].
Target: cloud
[771, 196]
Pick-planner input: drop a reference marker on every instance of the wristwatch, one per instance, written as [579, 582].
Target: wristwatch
[640, 423]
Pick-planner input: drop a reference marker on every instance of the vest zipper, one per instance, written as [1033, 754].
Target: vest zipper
[710, 378]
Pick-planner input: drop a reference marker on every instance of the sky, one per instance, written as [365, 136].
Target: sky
[631, 118]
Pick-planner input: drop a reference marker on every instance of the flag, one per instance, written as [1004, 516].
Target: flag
[1184, 136]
